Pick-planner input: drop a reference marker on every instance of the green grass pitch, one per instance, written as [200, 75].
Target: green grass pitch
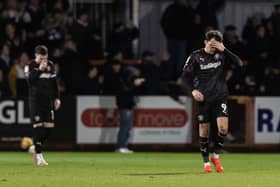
[80, 169]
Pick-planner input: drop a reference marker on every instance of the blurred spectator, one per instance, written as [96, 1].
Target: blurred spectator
[111, 83]
[60, 83]
[91, 83]
[126, 101]
[80, 31]
[5, 65]
[232, 42]
[35, 31]
[166, 68]
[261, 56]
[275, 20]
[177, 22]
[198, 30]
[12, 39]
[121, 39]
[94, 44]
[71, 67]
[248, 32]
[62, 5]
[55, 29]
[151, 73]
[208, 10]
[261, 45]
[17, 81]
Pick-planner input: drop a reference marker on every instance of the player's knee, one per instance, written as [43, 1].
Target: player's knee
[203, 140]
[203, 131]
[223, 131]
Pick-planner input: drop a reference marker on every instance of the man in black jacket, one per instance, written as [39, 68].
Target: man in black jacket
[126, 101]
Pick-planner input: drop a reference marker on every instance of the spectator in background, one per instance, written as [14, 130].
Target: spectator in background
[55, 29]
[166, 68]
[126, 100]
[35, 31]
[12, 10]
[177, 22]
[94, 44]
[232, 42]
[17, 81]
[261, 45]
[80, 31]
[275, 19]
[208, 10]
[150, 71]
[91, 85]
[198, 30]
[248, 32]
[60, 83]
[71, 67]
[261, 49]
[111, 83]
[12, 39]
[5, 65]
[62, 5]
[122, 37]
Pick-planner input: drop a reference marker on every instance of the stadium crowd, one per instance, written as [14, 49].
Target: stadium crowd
[74, 41]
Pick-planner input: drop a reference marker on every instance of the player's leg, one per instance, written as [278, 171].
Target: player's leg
[48, 125]
[204, 124]
[126, 123]
[222, 126]
[46, 131]
[204, 145]
[39, 132]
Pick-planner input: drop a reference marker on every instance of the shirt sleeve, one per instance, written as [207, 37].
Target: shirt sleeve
[188, 73]
[31, 73]
[54, 82]
[233, 58]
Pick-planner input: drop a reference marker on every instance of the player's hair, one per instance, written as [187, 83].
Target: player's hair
[217, 35]
[41, 50]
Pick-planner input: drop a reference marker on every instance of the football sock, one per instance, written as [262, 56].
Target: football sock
[204, 148]
[39, 156]
[206, 164]
[38, 134]
[47, 133]
[216, 155]
[41, 134]
[219, 143]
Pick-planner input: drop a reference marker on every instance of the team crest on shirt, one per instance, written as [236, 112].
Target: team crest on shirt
[37, 118]
[200, 117]
[216, 56]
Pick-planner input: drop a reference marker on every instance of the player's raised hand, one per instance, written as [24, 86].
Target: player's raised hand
[57, 104]
[197, 95]
[218, 45]
[43, 66]
[138, 81]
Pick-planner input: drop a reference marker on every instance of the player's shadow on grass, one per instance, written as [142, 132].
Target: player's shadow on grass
[157, 174]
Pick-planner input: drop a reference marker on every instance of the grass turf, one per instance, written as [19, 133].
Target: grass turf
[80, 169]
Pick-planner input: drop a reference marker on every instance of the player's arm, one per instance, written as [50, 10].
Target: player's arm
[32, 73]
[187, 78]
[54, 82]
[229, 55]
[233, 58]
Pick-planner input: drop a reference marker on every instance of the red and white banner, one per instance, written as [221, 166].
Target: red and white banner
[157, 119]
